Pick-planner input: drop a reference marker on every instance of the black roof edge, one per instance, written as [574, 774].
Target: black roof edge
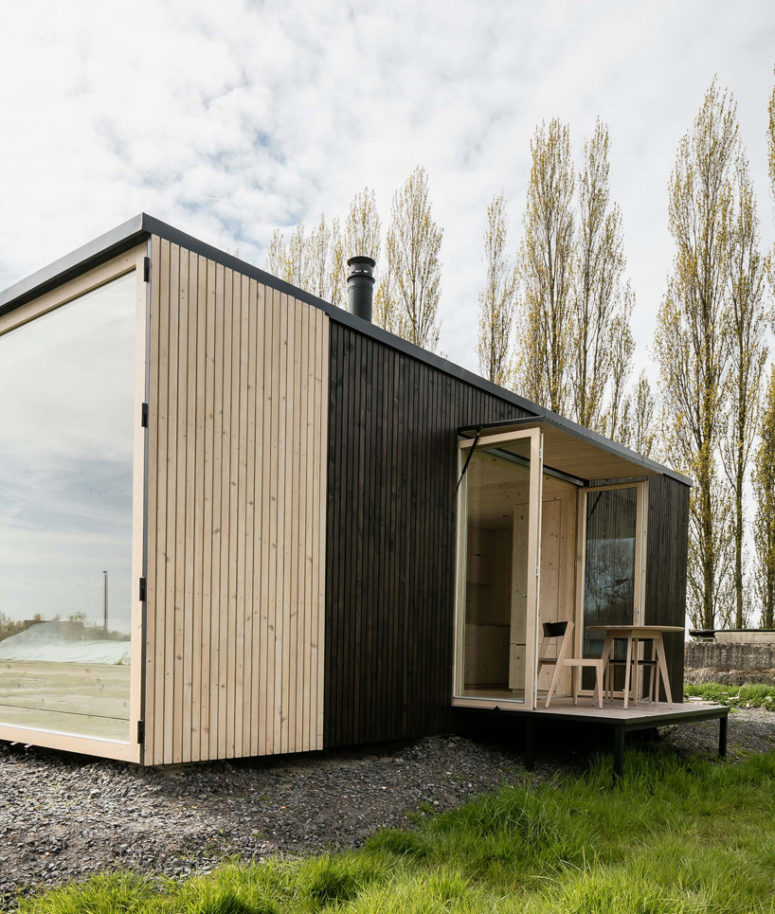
[134, 230]
[586, 434]
[81, 260]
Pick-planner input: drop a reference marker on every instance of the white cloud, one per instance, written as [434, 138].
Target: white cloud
[230, 119]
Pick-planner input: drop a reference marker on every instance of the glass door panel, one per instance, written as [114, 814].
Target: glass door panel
[610, 569]
[497, 592]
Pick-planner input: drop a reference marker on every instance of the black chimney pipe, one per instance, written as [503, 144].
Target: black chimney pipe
[360, 285]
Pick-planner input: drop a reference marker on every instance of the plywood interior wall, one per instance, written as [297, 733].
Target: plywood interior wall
[558, 547]
[236, 515]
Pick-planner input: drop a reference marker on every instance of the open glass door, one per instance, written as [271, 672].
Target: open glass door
[613, 584]
[498, 569]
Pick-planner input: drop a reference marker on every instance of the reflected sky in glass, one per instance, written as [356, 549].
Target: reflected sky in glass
[66, 445]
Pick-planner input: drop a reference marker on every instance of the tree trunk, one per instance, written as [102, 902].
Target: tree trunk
[707, 558]
[739, 620]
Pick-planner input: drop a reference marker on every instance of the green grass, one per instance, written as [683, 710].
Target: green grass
[676, 836]
[745, 696]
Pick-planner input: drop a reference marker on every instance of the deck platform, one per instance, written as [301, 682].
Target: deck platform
[641, 716]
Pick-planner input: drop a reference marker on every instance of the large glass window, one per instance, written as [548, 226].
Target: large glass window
[66, 446]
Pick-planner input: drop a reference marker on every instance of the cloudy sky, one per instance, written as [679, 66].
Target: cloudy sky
[229, 119]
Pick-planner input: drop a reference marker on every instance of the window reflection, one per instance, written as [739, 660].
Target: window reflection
[66, 445]
[609, 575]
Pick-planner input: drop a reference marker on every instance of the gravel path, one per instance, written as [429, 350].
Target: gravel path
[65, 816]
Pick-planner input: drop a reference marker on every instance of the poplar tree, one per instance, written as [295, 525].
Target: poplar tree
[771, 139]
[747, 358]
[307, 259]
[600, 307]
[764, 463]
[412, 246]
[764, 493]
[621, 349]
[546, 262]
[323, 243]
[771, 162]
[287, 259]
[497, 301]
[692, 343]
[386, 313]
[637, 421]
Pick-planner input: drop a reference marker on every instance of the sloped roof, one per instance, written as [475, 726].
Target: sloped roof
[142, 226]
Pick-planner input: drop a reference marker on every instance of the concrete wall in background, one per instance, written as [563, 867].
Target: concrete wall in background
[729, 663]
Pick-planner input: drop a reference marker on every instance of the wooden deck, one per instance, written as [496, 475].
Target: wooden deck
[650, 714]
[641, 716]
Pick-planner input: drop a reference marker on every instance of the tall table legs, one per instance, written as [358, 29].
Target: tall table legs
[633, 679]
[659, 649]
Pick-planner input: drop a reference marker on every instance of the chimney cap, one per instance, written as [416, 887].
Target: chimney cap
[362, 263]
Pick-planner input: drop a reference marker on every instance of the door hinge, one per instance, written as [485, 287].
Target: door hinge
[144, 415]
[146, 269]
[141, 731]
[142, 590]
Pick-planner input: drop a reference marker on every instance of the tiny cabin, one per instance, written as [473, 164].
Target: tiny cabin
[236, 520]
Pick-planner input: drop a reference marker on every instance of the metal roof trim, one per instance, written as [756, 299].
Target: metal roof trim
[79, 261]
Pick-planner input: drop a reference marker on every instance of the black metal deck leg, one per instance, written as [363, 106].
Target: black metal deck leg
[722, 735]
[530, 743]
[618, 753]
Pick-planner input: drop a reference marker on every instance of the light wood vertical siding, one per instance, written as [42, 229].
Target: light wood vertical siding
[236, 515]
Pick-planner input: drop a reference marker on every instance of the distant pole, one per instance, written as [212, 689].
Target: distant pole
[105, 601]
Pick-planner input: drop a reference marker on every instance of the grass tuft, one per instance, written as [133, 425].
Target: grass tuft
[226, 901]
[753, 695]
[330, 880]
[115, 893]
[400, 842]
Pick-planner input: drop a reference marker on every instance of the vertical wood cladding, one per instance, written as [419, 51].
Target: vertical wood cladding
[236, 515]
[390, 560]
[667, 538]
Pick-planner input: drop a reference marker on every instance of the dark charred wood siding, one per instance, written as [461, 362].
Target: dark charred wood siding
[668, 530]
[390, 563]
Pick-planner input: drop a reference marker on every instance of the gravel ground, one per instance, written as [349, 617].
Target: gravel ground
[64, 816]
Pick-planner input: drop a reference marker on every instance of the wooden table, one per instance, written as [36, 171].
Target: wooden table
[633, 634]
